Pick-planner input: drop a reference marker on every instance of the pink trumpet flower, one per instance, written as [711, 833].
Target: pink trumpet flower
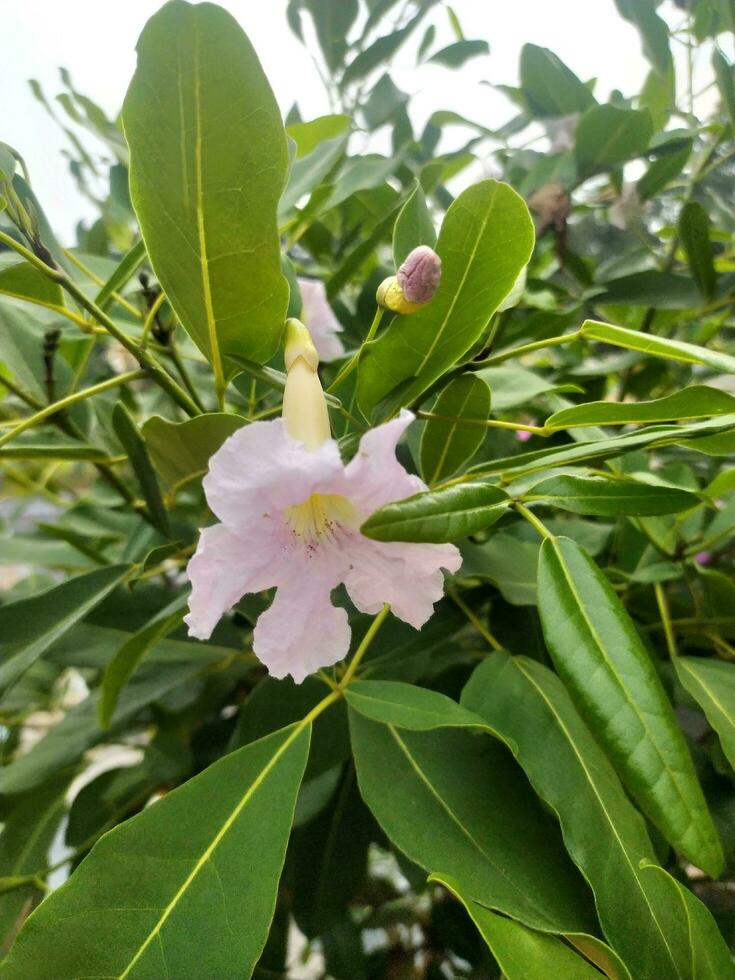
[319, 317]
[290, 513]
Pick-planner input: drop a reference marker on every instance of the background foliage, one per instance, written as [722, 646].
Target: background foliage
[554, 751]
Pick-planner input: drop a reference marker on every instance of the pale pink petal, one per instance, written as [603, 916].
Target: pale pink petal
[226, 566]
[261, 469]
[302, 631]
[408, 576]
[374, 476]
[319, 317]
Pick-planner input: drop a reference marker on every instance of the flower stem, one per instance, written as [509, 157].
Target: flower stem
[363, 647]
[64, 403]
[146, 360]
[506, 355]
[352, 363]
[488, 423]
[663, 608]
[476, 622]
[533, 520]
[150, 318]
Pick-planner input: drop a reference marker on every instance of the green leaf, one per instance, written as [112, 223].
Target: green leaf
[413, 226]
[607, 136]
[456, 802]
[693, 402]
[320, 143]
[29, 626]
[448, 443]
[134, 445]
[122, 666]
[712, 685]
[694, 228]
[192, 879]
[180, 451]
[549, 87]
[604, 834]
[23, 281]
[664, 290]
[21, 351]
[208, 163]
[385, 101]
[610, 498]
[601, 659]
[653, 30]
[485, 240]
[438, 515]
[521, 953]
[723, 74]
[454, 55]
[380, 51]
[506, 561]
[127, 267]
[662, 171]
[416, 709]
[674, 350]
[332, 20]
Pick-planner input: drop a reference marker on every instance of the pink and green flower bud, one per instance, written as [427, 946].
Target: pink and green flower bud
[415, 283]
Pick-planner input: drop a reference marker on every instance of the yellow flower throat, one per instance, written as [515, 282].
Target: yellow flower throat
[320, 515]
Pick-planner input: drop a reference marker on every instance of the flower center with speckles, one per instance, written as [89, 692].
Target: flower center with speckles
[320, 516]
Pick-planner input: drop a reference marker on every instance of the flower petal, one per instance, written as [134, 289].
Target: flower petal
[408, 576]
[226, 566]
[374, 476]
[302, 631]
[261, 469]
[319, 317]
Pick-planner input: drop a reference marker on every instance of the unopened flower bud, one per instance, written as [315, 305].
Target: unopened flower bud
[415, 283]
[419, 275]
[304, 406]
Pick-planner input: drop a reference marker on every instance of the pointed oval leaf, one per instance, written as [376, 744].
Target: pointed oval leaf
[607, 136]
[485, 240]
[134, 445]
[712, 685]
[447, 443]
[457, 803]
[694, 234]
[611, 498]
[601, 659]
[521, 953]
[549, 87]
[413, 226]
[208, 163]
[190, 880]
[438, 515]
[417, 709]
[604, 834]
[646, 343]
[693, 402]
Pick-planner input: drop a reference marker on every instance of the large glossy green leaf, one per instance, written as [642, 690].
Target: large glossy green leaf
[450, 441]
[134, 445]
[522, 953]
[712, 685]
[607, 136]
[180, 451]
[457, 803]
[693, 402]
[603, 832]
[549, 87]
[29, 626]
[207, 166]
[609, 498]
[601, 659]
[485, 240]
[413, 226]
[646, 343]
[438, 515]
[695, 240]
[190, 880]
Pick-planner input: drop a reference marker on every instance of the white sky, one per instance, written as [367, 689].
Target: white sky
[95, 40]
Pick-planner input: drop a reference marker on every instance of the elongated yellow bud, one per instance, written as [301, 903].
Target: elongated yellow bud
[304, 405]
